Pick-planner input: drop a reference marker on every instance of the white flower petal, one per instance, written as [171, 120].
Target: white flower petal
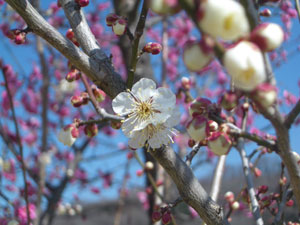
[138, 139]
[164, 101]
[123, 103]
[143, 89]
[174, 119]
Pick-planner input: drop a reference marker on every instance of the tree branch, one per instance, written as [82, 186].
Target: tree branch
[291, 117]
[188, 186]
[97, 67]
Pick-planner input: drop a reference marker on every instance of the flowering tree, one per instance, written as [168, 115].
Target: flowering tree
[49, 109]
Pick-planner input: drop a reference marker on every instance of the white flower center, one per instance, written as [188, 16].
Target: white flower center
[144, 109]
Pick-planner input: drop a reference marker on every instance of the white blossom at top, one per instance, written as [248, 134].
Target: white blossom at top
[245, 64]
[144, 105]
[223, 18]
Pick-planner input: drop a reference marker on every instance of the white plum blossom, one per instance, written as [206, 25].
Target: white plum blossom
[224, 19]
[245, 64]
[68, 135]
[196, 55]
[156, 135]
[150, 112]
[268, 36]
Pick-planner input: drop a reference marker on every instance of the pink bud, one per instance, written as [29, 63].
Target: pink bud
[153, 48]
[73, 75]
[83, 3]
[99, 94]
[76, 101]
[229, 100]
[219, 143]
[263, 189]
[264, 95]
[199, 106]
[139, 173]
[156, 216]
[111, 19]
[91, 130]
[116, 125]
[257, 172]
[85, 98]
[70, 34]
[229, 196]
[186, 83]
[197, 128]
[267, 36]
[266, 13]
[197, 55]
[20, 38]
[289, 203]
[166, 218]
[119, 27]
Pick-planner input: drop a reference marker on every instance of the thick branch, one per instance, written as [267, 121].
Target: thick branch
[290, 118]
[188, 186]
[99, 70]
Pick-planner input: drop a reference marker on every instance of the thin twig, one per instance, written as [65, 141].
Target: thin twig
[190, 156]
[292, 116]
[287, 192]
[135, 47]
[10, 97]
[218, 174]
[100, 111]
[246, 167]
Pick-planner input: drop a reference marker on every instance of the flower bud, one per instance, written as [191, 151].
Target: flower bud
[267, 36]
[245, 64]
[197, 128]
[68, 135]
[186, 83]
[265, 201]
[257, 172]
[149, 165]
[83, 3]
[91, 130]
[213, 126]
[139, 173]
[164, 7]
[166, 218]
[219, 143]
[119, 27]
[265, 95]
[266, 13]
[99, 94]
[191, 143]
[225, 19]
[153, 48]
[156, 216]
[229, 196]
[20, 38]
[197, 55]
[199, 106]
[73, 75]
[262, 189]
[229, 100]
[289, 203]
[111, 19]
[76, 101]
[235, 205]
[85, 98]
[70, 34]
[116, 125]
